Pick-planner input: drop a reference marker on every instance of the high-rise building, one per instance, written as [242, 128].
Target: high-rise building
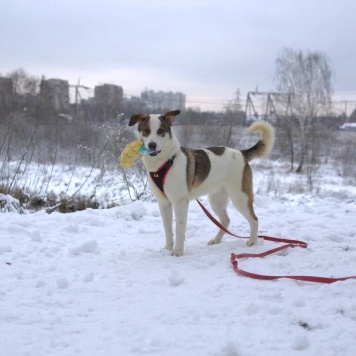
[55, 94]
[163, 101]
[109, 95]
[6, 92]
[108, 98]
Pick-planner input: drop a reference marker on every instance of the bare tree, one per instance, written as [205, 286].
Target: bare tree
[24, 83]
[233, 111]
[308, 78]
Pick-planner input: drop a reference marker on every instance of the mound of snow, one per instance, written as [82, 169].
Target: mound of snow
[85, 247]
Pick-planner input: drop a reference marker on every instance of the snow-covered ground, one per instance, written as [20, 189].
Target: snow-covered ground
[98, 282]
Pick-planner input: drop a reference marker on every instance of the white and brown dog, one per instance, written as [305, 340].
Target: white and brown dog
[178, 175]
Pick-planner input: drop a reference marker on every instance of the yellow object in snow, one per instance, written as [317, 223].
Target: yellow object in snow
[130, 154]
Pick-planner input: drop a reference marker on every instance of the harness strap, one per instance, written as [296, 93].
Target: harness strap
[287, 243]
[159, 176]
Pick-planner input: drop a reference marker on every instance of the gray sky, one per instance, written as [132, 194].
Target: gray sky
[205, 49]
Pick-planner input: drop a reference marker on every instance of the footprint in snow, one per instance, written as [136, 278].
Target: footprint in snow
[62, 283]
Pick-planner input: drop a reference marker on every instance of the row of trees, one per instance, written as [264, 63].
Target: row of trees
[304, 135]
[304, 78]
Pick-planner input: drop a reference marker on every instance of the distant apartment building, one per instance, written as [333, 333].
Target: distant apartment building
[109, 94]
[55, 94]
[6, 86]
[6, 93]
[108, 99]
[163, 101]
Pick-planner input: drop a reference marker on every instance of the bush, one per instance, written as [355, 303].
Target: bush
[9, 204]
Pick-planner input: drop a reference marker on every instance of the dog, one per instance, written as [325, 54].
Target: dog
[178, 175]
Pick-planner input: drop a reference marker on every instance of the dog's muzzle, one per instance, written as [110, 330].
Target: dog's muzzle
[153, 147]
[154, 153]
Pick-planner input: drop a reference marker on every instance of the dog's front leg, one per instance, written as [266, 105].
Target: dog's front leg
[181, 214]
[166, 211]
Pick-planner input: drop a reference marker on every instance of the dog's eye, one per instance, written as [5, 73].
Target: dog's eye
[146, 131]
[160, 131]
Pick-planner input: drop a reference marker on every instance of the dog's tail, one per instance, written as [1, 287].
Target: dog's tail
[264, 145]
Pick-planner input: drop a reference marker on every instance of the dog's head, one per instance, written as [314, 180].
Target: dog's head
[154, 129]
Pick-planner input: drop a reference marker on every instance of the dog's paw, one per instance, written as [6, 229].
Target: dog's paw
[169, 247]
[177, 252]
[213, 242]
[251, 242]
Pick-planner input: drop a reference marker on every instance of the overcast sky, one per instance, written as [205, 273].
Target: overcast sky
[206, 49]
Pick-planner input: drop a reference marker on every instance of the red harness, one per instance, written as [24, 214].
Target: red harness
[159, 176]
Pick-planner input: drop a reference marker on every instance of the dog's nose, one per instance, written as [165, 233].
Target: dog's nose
[152, 145]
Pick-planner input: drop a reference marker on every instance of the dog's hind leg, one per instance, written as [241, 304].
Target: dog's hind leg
[166, 211]
[218, 202]
[244, 204]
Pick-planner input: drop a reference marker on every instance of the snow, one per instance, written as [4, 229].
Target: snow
[98, 282]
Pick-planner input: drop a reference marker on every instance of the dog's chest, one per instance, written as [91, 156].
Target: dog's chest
[170, 179]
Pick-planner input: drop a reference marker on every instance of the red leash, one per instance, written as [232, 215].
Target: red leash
[287, 243]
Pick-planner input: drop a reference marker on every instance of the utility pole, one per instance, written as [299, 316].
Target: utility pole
[348, 105]
[269, 102]
[77, 95]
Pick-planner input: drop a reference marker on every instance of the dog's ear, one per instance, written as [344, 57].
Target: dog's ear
[170, 116]
[135, 118]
